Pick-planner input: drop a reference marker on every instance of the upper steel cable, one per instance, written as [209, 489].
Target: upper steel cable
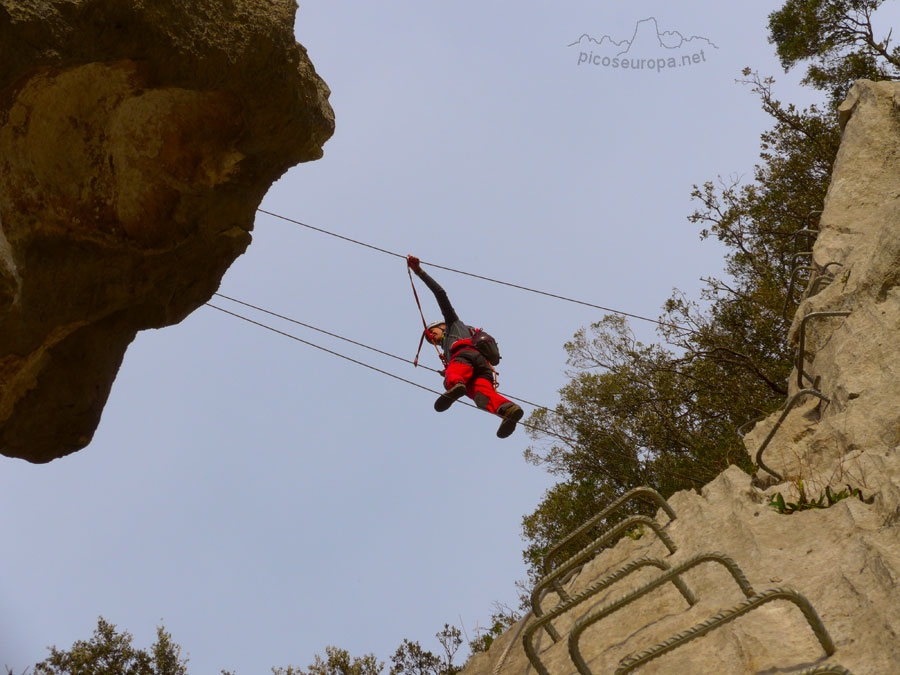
[484, 278]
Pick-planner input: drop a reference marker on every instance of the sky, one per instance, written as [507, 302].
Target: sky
[263, 499]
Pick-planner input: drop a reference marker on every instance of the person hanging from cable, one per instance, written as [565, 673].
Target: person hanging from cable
[469, 356]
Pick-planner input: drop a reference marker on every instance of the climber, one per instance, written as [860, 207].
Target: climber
[468, 370]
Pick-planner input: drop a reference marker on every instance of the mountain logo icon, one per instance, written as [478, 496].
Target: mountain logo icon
[648, 48]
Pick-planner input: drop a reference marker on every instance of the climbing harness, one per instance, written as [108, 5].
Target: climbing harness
[482, 341]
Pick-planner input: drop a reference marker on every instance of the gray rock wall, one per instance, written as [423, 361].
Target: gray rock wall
[845, 559]
[854, 437]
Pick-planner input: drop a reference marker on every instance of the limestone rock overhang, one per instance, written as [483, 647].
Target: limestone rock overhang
[136, 141]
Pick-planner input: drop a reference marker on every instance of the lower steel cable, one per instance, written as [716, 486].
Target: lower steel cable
[358, 344]
[527, 425]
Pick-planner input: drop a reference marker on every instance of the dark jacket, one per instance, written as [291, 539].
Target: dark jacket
[456, 329]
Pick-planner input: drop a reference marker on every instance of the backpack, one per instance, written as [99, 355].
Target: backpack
[487, 345]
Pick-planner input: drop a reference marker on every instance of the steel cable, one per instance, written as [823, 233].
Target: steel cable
[319, 330]
[527, 425]
[484, 278]
[359, 344]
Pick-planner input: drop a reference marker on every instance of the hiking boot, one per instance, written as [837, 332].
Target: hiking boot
[511, 414]
[446, 399]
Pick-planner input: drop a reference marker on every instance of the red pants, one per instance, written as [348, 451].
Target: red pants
[472, 369]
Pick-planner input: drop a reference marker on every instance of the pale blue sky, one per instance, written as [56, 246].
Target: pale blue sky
[264, 499]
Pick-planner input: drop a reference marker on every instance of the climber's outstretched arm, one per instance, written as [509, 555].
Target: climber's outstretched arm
[439, 293]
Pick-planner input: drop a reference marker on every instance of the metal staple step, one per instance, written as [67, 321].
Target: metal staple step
[589, 592]
[784, 414]
[628, 664]
[588, 552]
[827, 669]
[801, 349]
[583, 623]
[642, 491]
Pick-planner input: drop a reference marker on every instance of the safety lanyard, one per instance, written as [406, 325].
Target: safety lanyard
[424, 324]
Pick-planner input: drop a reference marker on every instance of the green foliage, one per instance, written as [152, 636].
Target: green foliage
[337, 662]
[665, 414]
[109, 652]
[838, 38]
[640, 414]
[635, 533]
[562, 510]
[501, 619]
[826, 499]
[411, 659]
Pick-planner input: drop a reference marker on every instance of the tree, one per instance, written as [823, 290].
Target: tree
[635, 414]
[837, 38]
[666, 414]
[502, 618]
[337, 662]
[411, 659]
[109, 652]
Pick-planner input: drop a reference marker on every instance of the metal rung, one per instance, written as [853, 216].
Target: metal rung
[628, 664]
[795, 259]
[586, 621]
[825, 276]
[643, 491]
[812, 233]
[589, 592]
[588, 552]
[802, 346]
[821, 280]
[827, 669]
[745, 427]
[810, 215]
[789, 298]
[807, 231]
[787, 409]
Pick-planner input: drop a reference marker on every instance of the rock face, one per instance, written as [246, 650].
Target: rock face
[845, 560]
[852, 360]
[137, 139]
